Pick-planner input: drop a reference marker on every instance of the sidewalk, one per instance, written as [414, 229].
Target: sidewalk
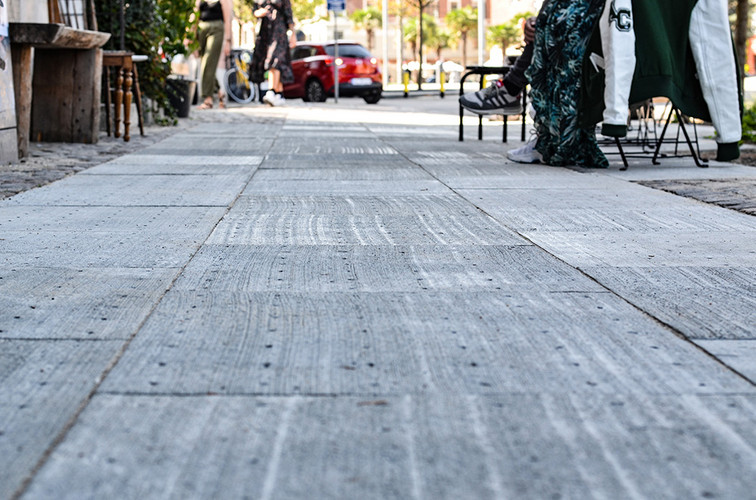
[347, 302]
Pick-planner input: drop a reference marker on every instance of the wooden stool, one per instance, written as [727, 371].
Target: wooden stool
[126, 75]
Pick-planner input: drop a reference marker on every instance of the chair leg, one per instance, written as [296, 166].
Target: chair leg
[661, 139]
[622, 153]
[108, 100]
[138, 94]
[687, 139]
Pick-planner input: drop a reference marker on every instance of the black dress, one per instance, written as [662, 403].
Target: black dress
[272, 44]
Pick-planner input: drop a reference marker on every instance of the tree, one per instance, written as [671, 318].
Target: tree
[441, 41]
[741, 30]
[504, 35]
[367, 19]
[420, 5]
[462, 22]
[302, 9]
[412, 35]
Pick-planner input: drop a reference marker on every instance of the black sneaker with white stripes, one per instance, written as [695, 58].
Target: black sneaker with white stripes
[492, 100]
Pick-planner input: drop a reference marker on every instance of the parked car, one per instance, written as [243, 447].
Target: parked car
[312, 62]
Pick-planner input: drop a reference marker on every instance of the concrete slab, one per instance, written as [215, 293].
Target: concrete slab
[652, 249]
[239, 126]
[380, 268]
[346, 161]
[737, 354]
[191, 223]
[158, 160]
[356, 141]
[252, 223]
[282, 171]
[172, 169]
[223, 146]
[83, 304]
[302, 147]
[674, 169]
[508, 446]
[446, 204]
[305, 188]
[549, 197]
[700, 302]
[94, 249]
[382, 344]
[670, 219]
[44, 383]
[131, 190]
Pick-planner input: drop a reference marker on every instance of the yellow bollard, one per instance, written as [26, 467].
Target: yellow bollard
[405, 78]
[442, 79]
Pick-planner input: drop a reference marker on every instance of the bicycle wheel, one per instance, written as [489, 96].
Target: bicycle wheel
[240, 91]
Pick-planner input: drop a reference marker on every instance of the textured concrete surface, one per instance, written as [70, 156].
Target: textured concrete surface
[345, 302]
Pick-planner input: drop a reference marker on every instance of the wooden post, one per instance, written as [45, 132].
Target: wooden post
[118, 102]
[53, 11]
[127, 104]
[22, 58]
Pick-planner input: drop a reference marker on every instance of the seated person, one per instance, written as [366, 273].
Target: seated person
[503, 96]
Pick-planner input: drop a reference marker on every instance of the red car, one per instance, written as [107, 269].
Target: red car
[312, 62]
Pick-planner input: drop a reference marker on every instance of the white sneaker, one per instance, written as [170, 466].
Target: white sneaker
[278, 100]
[269, 97]
[526, 154]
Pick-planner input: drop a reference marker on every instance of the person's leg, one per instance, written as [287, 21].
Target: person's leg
[503, 96]
[515, 81]
[274, 80]
[274, 95]
[210, 57]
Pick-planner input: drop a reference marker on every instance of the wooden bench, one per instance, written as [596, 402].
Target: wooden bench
[57, 79]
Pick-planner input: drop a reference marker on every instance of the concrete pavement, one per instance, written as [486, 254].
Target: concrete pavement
[346, 302]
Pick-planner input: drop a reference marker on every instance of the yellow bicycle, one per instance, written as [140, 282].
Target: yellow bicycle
[236, 79]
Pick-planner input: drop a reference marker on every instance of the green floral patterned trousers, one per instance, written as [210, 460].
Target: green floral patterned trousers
[563, 28]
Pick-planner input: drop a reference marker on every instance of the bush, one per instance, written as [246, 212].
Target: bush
[749, 124]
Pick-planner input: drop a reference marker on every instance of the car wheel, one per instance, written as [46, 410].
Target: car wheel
[372, 98]
[314, 91]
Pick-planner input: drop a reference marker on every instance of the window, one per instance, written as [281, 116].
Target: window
[302, 52]
[349, 50]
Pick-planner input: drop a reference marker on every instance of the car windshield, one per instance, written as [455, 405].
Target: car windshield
[351, 50]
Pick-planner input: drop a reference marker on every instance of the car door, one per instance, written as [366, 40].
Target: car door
[298, 54]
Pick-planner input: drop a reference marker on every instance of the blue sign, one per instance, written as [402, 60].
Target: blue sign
[337, 5]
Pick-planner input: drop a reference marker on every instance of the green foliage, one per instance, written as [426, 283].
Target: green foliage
[174, 21]
[440, 41]
[302, 9]
[504, 35]
[412, 33]
[367, 19]
[749, 124]
[462, 22]
[305, 9]
[522, 15]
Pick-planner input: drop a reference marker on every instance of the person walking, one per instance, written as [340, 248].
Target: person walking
[272, 45]
[214, 36]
